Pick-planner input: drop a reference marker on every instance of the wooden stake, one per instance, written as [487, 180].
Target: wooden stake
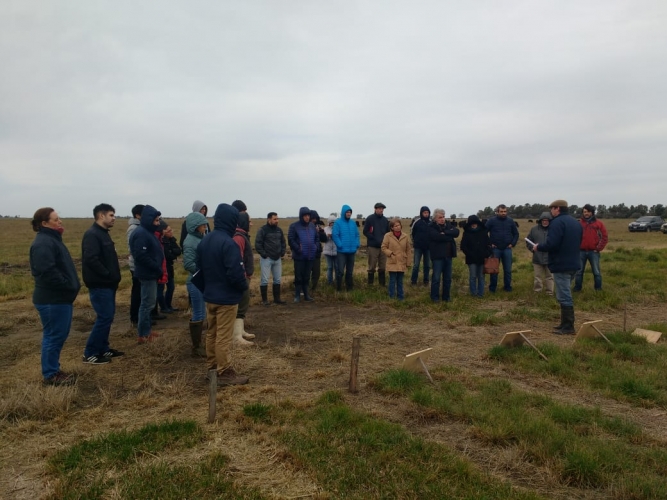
[212, 394]
[354, 365]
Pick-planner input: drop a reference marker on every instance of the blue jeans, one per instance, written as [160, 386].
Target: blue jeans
[476, 279]
[197, 302]
[505, 257]
[442, 268]
[396, 285]
[270, 267]
[148, 297]
[56, 322]
[594, 258]
[419, 253]
[563, 282]
[332, 265]
[103, 301]
[345, 263]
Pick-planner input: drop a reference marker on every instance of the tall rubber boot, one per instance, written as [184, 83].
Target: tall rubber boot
[297, 294]
[568, 321]
[382, 278]
[247, 335]
[195, 335]
[276, 295]
[371, 277]
[264, 290]
[306, 297]
[237, 336]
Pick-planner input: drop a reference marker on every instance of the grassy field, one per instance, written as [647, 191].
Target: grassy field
[496, 423]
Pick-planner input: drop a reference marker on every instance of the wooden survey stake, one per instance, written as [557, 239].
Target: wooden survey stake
[354, 364]
[517, 339]
[588, 330]
[416, 362]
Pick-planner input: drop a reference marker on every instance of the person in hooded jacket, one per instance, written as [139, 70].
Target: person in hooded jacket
[135, 294]
[420, 244]
[197, 226]
[543, 279]
[321, 238]
[345, 234]
[224, 281]
[329, 251]
[442, 248]
[476, 246]
[149, 260]
[56, 287]
[199, 207]
[396, 246]
[171, 252]
[303, 240]
[242, 239]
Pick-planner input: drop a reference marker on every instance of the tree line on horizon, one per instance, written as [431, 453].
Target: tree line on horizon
[620, 211]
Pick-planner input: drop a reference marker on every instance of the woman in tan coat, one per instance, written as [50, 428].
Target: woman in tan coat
[396, 246]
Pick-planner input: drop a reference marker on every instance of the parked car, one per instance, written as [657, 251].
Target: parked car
[664, 228]
[647, 223]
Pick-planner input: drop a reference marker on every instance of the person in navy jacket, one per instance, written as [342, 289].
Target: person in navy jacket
[304, 241]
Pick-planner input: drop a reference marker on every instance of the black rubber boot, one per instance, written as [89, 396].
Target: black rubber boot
[276, 295]
[371, 277]
[264, 290]
[568, 321]
[307, 297]
[297, 294]
[382, 278]
[195, 335]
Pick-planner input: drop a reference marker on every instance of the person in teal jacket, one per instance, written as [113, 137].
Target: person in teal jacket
[345, 234]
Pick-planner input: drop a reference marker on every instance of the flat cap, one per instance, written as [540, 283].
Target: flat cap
[380, 205]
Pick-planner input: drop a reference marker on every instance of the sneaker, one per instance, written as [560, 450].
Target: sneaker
[96, 359]
[149, 338]
[113, 353]
[60, 379]
[230, 377]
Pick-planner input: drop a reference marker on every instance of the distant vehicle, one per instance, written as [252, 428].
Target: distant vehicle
[647, 224]
[664, 228]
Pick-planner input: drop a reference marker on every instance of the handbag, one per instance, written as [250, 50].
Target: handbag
[491, 265]
[198, 280]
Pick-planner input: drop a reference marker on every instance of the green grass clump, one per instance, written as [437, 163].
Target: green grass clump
[356, 456]
[129, 462]
[585, 447]
[258, 411]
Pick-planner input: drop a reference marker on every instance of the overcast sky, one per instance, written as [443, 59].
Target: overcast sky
[457, 104]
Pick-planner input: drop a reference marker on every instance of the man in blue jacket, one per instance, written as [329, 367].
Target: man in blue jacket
[221, 267]
[503, 236]
[562, 245]
[303, 240]
[346, 237]
[147, 253]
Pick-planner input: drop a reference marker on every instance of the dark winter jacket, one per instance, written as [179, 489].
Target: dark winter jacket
[345, 233]
[270, 242]
[171, 252]
[220, 260]
[441, 240]
[51, 265]
[243, 241]
[420, 230]
[375, 228]
[502, 232]
[321, 235]
[538, 234]
[475, 243]
[99, 261]
[594, 236]
[146, 248]
[303, 238]
[563, 243]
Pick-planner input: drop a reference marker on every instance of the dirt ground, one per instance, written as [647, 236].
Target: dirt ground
[300, 351]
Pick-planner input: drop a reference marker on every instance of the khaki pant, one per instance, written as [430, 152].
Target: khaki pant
[376, 259]
[219, 336]
[543, 279]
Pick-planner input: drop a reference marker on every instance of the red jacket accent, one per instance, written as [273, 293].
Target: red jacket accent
[595, 235]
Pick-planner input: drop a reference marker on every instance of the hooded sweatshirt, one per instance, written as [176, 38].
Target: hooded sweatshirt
[196, 207]
[420, 229]
[243, 241]
[192, 240]
[220, 260]
[538, 234]
[303, 237]
[475, 242]
[329, 247]
[146, 248]
[346, 233]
